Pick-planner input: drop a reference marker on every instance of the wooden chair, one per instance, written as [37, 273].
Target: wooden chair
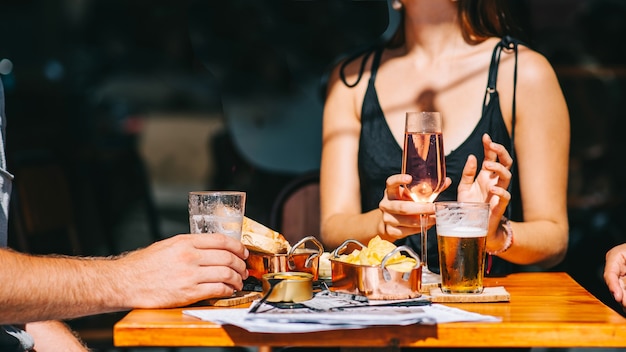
[42, 221]
[296, 210]
[42, 218]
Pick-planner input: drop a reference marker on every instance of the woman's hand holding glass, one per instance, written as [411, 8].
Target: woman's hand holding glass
[489, 184]
[399, 217]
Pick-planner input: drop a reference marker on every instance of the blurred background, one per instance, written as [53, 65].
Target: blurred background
[138, 102]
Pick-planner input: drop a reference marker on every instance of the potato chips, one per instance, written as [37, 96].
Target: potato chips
[374, 253]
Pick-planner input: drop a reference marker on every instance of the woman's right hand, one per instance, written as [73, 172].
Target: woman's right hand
[400, 214]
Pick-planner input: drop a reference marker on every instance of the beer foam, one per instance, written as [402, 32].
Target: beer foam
[461, 231]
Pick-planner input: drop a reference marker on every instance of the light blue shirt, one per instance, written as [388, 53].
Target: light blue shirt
[5, 177]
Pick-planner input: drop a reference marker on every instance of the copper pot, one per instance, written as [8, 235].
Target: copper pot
[298, 259]
[376, 281]
[288, 287]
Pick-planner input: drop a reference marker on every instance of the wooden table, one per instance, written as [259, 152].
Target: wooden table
[545, 310]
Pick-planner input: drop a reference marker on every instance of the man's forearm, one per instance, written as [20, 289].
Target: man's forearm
[54, 336]
[35, 288]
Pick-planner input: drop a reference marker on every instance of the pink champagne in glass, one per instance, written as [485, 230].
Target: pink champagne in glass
[423, 158]
[425, 162]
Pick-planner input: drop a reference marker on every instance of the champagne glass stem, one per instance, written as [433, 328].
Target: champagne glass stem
[428, 277]
[424, 242]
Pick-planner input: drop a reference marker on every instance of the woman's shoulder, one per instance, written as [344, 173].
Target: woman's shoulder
[536, 81]
[532, 65]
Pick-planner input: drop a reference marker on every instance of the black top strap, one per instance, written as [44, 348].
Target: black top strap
[364, 57]
[375, 64]
[508, 43]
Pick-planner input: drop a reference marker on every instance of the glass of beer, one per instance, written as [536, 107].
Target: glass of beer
[462, 238]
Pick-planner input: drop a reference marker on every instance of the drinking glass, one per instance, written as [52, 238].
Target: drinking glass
[423, 158]
[217, 212]
[462, 238]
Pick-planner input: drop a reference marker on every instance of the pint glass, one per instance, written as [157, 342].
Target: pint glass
[462, 238]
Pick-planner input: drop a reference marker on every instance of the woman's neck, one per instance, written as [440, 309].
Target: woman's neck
[432, 29]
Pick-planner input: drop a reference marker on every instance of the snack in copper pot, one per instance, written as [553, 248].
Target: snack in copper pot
[374, 253]
[325, 270]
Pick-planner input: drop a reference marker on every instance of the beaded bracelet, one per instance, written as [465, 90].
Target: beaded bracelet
[508, 241]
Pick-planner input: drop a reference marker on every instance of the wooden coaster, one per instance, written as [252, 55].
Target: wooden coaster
[427, 287]
[490, 294]
[240, 297]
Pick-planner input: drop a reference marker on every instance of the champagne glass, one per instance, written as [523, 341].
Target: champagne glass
[423, 158]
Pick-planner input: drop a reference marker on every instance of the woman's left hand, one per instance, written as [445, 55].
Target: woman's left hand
[491, 183]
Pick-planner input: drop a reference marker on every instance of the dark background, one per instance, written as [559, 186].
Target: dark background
[86, 78]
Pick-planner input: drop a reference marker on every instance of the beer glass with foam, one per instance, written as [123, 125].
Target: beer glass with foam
[462, 238]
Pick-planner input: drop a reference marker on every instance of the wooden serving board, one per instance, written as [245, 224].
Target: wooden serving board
[240, 297]
[490, 294]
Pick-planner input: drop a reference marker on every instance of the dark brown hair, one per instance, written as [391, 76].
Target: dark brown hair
[481, 19]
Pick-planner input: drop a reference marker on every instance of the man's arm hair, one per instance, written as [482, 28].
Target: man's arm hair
[36, 288]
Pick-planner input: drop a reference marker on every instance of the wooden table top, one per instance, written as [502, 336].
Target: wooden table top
[545, 310]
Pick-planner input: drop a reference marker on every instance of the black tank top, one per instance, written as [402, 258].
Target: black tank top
[380, 156]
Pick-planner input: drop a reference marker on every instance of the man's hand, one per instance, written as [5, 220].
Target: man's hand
[182, 270]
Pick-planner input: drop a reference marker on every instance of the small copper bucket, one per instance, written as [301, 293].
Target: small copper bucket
[298, 259]
[376, 281]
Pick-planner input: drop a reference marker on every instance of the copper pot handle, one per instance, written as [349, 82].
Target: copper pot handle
[309, 261]
[406, 275]
[343, 246]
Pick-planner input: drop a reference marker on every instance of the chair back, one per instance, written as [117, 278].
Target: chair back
[42, 216]
[296, 210]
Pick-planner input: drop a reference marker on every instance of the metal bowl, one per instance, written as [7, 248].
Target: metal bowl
[288, 287]
[376, 281]
[298, 259]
